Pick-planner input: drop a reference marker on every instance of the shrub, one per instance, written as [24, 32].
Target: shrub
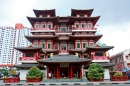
[117, 74]
[95, 71]
[34, 72]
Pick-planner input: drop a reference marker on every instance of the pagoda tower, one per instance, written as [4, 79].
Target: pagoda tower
[63, 47]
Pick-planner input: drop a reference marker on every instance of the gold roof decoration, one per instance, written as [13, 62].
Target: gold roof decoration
[31, 44]
[76, 54]
[51, 54]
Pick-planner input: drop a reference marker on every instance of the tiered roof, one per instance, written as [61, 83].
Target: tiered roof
[79, 11]
[41, 12]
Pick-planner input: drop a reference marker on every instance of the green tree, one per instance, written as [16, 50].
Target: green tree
[95, 71]
[34, 72]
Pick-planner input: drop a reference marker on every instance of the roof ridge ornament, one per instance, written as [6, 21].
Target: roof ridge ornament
[31, 44]
[51, 54]
[76, 54]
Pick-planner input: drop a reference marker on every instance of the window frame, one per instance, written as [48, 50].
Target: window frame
[48, 45]
[77, 45]
[90, 25]
[83, 24]
[76, 25]
[83, 44]
[37, 25]
[91, 43]
[42, 25]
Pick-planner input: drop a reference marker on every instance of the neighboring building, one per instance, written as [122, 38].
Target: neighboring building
[9, 38]
[20, 41]
[64, 37]
[122, 60]
[7, 42]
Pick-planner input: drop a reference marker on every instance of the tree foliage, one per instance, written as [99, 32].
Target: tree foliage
[34, 72]
[95, 71]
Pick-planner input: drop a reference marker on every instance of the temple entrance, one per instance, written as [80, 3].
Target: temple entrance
[76, 73]
[64, 73]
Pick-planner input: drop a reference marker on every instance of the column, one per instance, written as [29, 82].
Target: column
[81, 43]
[71, 72]
[80, 76]
[57, 73]
[46, 44]
[39, 43]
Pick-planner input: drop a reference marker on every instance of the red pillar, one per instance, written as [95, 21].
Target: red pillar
[46, 44]
[80, 76]
[81, 43]
[71, 72]
[57, 75]
[67, 47]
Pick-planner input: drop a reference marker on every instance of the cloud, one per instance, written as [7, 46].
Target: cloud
[116, 35]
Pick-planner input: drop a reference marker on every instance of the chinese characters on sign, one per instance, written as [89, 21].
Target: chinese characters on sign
[64, 64]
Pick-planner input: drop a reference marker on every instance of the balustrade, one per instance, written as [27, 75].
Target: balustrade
[100, 58]
[85, 29]
[42, 29]
[63, 31]
[27, 58]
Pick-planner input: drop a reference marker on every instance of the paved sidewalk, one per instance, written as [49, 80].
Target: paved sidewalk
[67, 83]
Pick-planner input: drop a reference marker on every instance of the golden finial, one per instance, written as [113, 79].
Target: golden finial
[51, 54]
[76, 54]
[107, 54]
[31, 45]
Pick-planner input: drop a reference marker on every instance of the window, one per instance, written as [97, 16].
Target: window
[84, 45]
[49, 45]
[86, 56]
[36, 25]
[42, 45]
[42, 56]
[35, 45]
[63, 29]
[89, 25]
[63, 47]
[83, 25]
[78, 45]
[77, 25]
[49, 26]
[48, 56]
[91, 44]
[43, 26]
[98, 54]
[29, 54]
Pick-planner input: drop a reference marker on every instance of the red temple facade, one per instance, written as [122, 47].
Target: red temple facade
[63, 45]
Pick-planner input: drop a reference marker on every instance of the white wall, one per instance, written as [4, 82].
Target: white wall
[23, 73]
[106, 74]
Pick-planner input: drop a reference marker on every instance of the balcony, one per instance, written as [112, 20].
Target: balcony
[28, 60]
[84, 29]
[100, 58]
[63, 52]
[63, 31]
[42, 30]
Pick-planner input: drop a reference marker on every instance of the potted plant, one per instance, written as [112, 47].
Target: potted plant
[34, 75]
[111, 68]
[95, 72]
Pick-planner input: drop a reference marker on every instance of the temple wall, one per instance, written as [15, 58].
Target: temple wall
[106, 74]
[24, 72]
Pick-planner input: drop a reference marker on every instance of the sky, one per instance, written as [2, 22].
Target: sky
[114, 22]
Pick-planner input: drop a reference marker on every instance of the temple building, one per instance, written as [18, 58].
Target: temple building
[63, 47]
